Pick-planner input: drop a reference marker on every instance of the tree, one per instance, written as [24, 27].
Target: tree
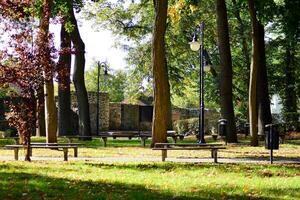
[78, 77]
[22, 64]
[263, 101]
[162, 102]
[259, 103]
[253, 76]
[51, 114]
[114, 83]
[226, 70]
[64, 98]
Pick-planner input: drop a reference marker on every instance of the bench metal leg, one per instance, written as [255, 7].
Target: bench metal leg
[164, 154]
[214, 153]
[65, 154]
[75, 152]
[30, 152]
[104, 141]
[16, 151]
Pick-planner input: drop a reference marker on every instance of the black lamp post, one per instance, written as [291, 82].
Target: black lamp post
[105, 68]
[196, 46]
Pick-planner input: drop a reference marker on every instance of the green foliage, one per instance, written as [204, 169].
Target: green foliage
[132, 21]
[114, 83]
[185, 126]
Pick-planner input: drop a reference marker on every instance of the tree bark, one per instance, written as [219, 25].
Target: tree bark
[162, 104]
[253, 75]
[50, 108]
[263, 101]
[78, 79]
[41, 129]
[227, 110]
[64, 95]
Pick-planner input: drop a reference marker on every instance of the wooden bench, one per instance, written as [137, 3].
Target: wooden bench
[143, 135]
[164, 147]
[70, 138]
[64, 147]
[117, 134]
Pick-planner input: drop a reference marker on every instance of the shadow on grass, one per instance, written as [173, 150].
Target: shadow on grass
[290, 170]
[33, 186]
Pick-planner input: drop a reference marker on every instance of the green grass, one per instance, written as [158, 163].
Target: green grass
[113, 179]
[93, 180]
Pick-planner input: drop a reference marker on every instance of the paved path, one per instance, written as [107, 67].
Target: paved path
[279, 160]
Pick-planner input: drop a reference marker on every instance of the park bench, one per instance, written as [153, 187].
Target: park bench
[143, 135]
[164, 147]
[54, 146]
[70, 138]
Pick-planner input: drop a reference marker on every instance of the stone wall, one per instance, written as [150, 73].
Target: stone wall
[103, 110]
[129, 117]
[115, 116]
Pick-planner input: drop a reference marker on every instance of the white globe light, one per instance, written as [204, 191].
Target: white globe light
[195, 46]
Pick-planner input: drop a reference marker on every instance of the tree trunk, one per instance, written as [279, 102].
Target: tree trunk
[64, 99]
[253, 75]
[78, 79]
[41, 129]
[44, 51]
[162, 102]
[51, 115]
[263, 101]
[226, 70]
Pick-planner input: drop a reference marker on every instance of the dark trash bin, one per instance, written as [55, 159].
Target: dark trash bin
[222, 130]
[247, 128]
[272, 136]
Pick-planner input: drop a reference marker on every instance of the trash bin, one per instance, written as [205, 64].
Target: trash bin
[272, 137]
[222, 123]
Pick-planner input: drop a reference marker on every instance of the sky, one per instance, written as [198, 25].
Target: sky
[99, 45]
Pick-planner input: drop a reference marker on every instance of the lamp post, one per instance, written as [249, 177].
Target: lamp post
[196, 46]
[105, 67]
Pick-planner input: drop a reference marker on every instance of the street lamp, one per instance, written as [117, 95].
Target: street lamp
[105, 68]
[204, 67]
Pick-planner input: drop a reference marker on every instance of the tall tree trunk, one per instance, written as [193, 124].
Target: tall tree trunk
[263, 101]
[64, 97]
[162, 102]
[41, 129]
[253, 75]
[50, 109]
[226, 70]
[78, 79]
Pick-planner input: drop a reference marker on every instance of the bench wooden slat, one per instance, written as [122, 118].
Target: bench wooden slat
[64, 147]
[164, 147]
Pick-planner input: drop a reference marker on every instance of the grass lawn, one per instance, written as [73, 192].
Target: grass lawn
[88, 179]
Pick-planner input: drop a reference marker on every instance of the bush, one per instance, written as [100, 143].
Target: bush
[7, 133]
